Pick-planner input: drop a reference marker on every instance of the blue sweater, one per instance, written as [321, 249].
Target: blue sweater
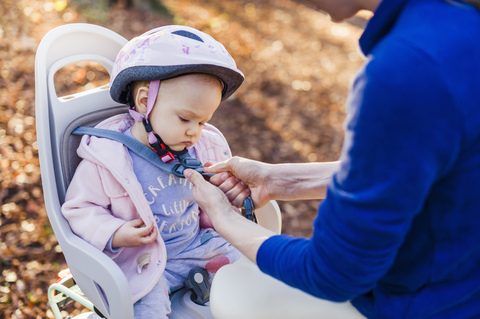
[399, 230]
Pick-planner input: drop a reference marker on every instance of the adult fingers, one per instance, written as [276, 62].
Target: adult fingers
[232, 187]
[218, 167]
[208, 164]
[206, 195]
[219, 178]
[194, 177]
[240, 198]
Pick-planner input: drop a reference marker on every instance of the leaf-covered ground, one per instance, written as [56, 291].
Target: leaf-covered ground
[298, 67]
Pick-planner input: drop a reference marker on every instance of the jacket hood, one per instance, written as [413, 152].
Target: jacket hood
[107, 153]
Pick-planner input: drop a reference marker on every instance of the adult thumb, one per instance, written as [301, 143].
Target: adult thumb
[193, 176]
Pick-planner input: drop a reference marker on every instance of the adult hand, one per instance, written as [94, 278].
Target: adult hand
[134, 233]
[211, 199]
[253, 173]
[245, 235]
[235, 190]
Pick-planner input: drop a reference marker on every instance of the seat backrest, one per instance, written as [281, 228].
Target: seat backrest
[70, 142]
[97, 275]
[60, 47]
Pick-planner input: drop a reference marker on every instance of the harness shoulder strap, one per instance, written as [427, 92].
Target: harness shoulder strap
[143, 151]
[149, 155]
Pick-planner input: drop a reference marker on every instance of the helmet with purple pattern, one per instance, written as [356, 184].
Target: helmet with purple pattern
[168, 52]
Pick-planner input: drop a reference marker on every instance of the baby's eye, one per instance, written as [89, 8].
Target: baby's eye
[182, 119]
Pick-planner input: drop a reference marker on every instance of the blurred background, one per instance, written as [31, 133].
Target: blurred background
[298, 67]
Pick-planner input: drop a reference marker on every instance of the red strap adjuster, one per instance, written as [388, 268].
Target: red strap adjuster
[167, 158]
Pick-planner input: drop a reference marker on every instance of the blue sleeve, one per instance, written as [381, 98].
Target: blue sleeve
[401, 137]
[109, 247]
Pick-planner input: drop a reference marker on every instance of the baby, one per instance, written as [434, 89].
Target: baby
[173, 78]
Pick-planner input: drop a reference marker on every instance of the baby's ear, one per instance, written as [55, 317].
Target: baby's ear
[141, 98]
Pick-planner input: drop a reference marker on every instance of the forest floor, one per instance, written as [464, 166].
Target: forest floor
[298, 67]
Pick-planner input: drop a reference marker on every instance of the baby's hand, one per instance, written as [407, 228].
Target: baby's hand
[134, 233]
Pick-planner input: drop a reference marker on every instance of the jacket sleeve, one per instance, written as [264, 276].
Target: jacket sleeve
[87, 207]
[402, 135]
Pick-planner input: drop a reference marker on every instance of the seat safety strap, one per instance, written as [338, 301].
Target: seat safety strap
[146, 153]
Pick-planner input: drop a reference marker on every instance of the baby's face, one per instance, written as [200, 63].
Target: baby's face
[182, 108]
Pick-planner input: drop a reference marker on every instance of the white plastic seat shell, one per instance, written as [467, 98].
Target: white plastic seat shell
[96, 274]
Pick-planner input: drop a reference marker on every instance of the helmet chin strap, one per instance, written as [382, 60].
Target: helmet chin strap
[163, 151]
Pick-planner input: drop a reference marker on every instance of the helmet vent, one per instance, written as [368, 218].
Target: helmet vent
[187, 34]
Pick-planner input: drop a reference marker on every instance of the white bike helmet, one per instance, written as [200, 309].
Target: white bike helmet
[168, 52]
[165, 53]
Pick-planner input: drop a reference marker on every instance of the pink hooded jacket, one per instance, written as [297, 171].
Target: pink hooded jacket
[105, 193]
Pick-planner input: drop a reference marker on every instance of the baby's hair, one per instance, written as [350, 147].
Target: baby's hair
[209, 78]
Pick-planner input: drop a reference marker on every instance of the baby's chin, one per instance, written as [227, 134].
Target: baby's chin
[178, 148]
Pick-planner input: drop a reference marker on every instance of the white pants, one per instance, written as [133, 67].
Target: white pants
[241, 290]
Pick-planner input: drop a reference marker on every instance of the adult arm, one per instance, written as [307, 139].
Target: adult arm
[245, 235]
[402, 136]
[279, 181]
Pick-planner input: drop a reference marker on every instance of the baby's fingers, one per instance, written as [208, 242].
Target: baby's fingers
[137, 223]
[143, 230]
[148, 234]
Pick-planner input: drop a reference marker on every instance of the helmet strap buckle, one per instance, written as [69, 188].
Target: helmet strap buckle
[162, 150]
[147, 125]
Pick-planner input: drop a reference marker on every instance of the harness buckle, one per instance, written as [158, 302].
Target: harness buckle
[249, 209]
[198, 283]
[191, 162]
[178, 169]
